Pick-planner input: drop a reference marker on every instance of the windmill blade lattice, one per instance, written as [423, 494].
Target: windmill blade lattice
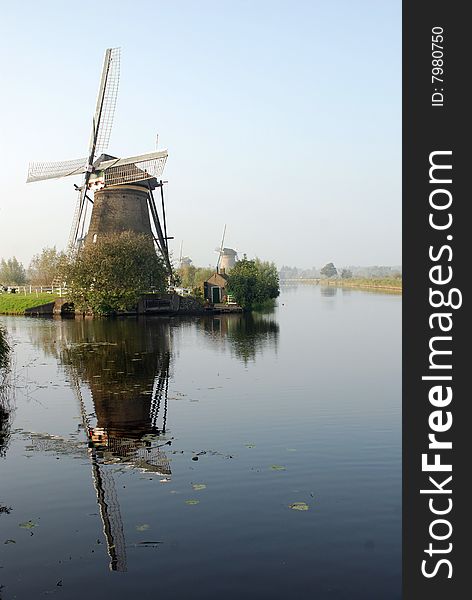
[38, 171]
[136, 168]
[106, 102]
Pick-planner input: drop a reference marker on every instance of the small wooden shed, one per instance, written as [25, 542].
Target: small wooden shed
[214, 288]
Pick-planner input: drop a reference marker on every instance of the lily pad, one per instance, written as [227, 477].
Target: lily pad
[28, 524]
[198, 486]
[299, 506]
[143, 527]
[192, 502]
[277, 468]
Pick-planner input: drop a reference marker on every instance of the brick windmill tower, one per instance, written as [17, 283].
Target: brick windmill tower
[119, 191]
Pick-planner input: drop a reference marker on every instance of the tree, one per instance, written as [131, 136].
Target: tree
[193, 277]
[253, 282]
[346, 274]
[329, 271]
[46, 266]
[12, 272]
[112, 274]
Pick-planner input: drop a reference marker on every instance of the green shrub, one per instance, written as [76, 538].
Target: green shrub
[253, 282]
[112, 274]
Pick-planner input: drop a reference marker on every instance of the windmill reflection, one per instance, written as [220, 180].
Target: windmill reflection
[119, 371]
[125, 367]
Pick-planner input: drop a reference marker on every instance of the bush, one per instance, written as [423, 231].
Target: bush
[112, 274]
[253, 282]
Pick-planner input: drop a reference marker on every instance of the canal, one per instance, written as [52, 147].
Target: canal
[253, 456]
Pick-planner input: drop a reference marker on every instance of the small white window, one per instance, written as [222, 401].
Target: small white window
[94, 238]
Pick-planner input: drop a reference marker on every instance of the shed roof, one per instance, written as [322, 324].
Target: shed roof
[219, 279]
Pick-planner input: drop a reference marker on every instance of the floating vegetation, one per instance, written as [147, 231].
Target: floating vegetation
[27, 525]
[250, 445]
[277, 468]
[147, 544]
[198, 486]
[143, 527]
[192, 502]
[299, 506]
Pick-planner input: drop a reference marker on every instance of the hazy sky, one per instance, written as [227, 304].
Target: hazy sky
[282, 120]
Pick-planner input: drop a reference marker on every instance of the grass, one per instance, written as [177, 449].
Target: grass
[391, 283]
[16, 304]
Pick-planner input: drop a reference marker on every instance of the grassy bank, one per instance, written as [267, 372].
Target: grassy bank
[16, 304]
[385, 283]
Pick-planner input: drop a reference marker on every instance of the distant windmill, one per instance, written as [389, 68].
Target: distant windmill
[220, 250]
[123, 198]
[226, 256]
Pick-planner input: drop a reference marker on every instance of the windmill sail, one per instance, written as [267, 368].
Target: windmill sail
[134, 168]
[106, 103]
[37, 171]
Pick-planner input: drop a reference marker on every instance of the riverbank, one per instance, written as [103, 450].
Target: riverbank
[17, 304]
[386, 283]
[391, 284]
[149, 304]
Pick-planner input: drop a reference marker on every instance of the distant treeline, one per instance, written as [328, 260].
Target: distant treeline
[371, 272]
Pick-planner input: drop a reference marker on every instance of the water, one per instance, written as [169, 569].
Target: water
[301, 405]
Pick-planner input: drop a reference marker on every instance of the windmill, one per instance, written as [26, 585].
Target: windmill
[226, 256]
[122, 188]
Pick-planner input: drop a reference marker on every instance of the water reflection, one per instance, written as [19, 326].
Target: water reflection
[124, 367]
[246, 334]
[328, 291]
[6, 406]
[228, 513]
[5, 422]
[119, 371]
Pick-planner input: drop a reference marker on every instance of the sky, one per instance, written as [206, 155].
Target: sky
[282, 120]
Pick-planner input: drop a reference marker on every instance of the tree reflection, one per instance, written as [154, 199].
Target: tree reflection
[328, 291]
[247, 334]
[5, 392]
